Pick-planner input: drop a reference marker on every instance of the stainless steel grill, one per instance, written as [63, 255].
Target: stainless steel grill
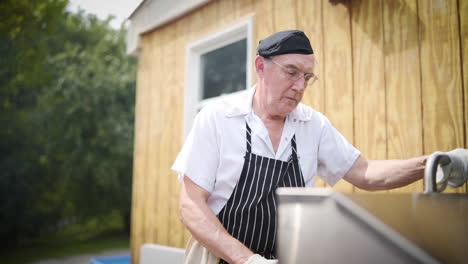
[319, 226]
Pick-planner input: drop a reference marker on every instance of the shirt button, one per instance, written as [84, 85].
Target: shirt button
[294, 119]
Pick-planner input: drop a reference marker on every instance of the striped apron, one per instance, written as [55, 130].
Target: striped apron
[250, 213]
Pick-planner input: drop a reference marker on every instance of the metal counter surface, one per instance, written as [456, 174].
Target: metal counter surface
[436, 223]
[319, 226]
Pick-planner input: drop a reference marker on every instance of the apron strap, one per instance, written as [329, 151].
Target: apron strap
[294, 149]
[249, 139]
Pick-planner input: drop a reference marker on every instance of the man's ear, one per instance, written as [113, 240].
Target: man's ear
[260, 66]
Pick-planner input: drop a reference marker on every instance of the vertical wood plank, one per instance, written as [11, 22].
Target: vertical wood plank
[441, 77]
[337, 79]
[226, 11]
[284, 14]
[177, 100]
[402, 81]
[152, 224]
[264, 20]
[210, 17]
[160, 106]
[202, 22]
[310, 20]
[244, 8]
[168, 117]
[369, 85]
[464, 55]
[140, 151]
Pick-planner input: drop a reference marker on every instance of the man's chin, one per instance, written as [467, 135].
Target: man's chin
[288, 108]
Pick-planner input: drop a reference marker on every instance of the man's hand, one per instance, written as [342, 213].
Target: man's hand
[257, 259]
[205, 227]
[454, 169]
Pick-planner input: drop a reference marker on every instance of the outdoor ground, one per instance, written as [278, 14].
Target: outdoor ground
[84, 258]
[76, 244]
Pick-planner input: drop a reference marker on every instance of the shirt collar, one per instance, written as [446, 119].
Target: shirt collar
[242, 105]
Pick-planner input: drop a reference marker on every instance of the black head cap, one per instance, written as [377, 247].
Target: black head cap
[285, 42]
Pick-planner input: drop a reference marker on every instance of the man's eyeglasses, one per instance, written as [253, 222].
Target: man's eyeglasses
[294, 74]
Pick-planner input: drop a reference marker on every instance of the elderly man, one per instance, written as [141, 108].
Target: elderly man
[241, 150]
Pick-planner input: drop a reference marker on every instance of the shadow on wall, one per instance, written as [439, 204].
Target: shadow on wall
[398, 17]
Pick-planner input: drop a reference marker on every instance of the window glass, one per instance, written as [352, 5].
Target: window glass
[224, 70]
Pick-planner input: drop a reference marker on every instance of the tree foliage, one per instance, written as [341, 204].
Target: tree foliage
[66, 99]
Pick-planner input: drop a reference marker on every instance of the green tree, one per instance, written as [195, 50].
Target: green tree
[66, 100]
[25, 27]
[88, 113]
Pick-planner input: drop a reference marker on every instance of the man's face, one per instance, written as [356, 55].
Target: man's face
[282, 91]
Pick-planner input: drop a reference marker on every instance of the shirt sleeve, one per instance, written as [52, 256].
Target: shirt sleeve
[199, 156]
[335, 155]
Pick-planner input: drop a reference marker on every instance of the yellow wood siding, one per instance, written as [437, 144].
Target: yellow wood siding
[337, 75]
[402, 83]
[442, 100]
[464, 55]
[392, 79]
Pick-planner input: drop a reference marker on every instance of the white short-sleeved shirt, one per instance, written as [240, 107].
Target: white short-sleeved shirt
[213, 153]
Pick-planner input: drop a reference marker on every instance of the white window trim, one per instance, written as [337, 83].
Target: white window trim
[194, 51]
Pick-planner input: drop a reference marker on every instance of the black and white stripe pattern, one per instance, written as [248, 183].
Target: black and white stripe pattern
[250, 213]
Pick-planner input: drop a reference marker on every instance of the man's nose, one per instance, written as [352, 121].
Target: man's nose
[299, 84]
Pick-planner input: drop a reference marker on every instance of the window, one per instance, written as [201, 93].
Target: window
[218, 66]
[223, 70]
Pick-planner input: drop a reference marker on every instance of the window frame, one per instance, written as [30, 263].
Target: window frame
[193, 84]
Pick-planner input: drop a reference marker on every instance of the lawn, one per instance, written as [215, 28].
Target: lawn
[75, 239]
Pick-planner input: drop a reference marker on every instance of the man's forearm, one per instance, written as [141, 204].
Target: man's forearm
[206, 229]
[389, 174]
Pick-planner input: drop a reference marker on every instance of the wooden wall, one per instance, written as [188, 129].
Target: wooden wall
[392, 79]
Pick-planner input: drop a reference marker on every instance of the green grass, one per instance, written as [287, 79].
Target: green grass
[75, 239]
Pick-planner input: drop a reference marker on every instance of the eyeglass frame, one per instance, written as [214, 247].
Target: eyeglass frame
[312, 75]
